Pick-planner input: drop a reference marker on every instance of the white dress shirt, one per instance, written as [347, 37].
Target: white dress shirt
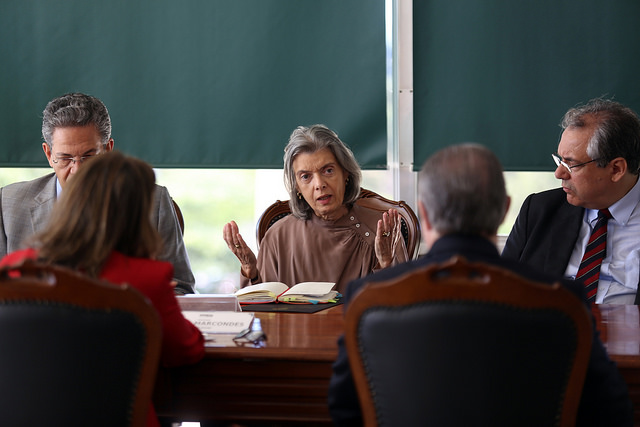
[58, 188]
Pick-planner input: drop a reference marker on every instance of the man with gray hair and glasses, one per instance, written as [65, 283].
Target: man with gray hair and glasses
[76, 127]
[589, 229]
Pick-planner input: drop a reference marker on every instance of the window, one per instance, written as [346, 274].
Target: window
[209, 198]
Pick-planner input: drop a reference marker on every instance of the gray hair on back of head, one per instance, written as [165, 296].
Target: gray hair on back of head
[463, 190]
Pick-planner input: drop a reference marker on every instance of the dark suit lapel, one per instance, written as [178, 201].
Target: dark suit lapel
[565, 232]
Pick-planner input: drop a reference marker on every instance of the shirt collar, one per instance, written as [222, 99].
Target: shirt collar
[622, 209]
[58, 188]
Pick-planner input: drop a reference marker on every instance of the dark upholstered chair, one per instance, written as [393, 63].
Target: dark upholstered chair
[75, 351]
[410, 224]
[464, 344]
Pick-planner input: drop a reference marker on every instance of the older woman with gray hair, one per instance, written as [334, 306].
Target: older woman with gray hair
[328, 237]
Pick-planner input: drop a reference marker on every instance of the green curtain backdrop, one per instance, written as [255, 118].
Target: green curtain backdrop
[198, 83]
[503, 73]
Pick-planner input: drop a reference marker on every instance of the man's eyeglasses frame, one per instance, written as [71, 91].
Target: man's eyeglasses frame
[559, 162]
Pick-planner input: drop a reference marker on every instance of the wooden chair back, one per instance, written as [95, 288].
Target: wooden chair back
[410, 224]
[179, 215]
[74, 349]
[467, 344]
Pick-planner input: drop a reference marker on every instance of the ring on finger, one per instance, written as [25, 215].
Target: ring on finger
[386, 234]
[237, 246]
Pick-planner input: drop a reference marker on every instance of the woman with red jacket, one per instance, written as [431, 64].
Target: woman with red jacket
[101, 225]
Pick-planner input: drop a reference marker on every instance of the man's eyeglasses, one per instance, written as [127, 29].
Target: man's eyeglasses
[250, 336]
[559, 162]
[64, 162]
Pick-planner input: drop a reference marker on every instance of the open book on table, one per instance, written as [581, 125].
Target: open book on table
[301, 293]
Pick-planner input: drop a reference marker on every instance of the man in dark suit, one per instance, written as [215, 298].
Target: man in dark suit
[598, 161]
[462, 201]
[76, 127]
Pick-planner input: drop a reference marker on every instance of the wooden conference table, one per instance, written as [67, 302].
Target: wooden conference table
[285, 382]
[619, 327]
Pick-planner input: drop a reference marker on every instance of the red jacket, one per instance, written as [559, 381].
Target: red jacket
[182, 342]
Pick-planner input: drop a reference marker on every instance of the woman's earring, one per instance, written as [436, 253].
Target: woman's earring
[299, 195]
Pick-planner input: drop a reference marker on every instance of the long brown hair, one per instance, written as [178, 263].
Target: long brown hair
[105, 207]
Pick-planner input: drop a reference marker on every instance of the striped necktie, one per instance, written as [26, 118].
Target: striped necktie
[589, 271]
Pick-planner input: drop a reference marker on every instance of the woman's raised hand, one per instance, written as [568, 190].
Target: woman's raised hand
[388, 234]
[240, 249]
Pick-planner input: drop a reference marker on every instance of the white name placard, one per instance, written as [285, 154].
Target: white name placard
[219, 322]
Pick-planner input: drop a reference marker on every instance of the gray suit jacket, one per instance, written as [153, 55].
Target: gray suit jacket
[25, 208]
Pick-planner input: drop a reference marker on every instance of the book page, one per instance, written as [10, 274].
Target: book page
[312, 289]
[274, 287]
